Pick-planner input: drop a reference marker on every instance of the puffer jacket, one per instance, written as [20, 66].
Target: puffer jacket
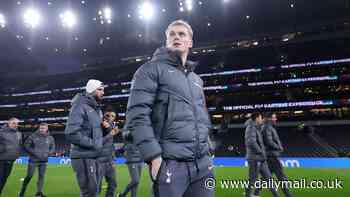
[271, 139]
[39, 147]
[166, 111]
[132, 153]
[255, 149]
[10, 144]
[83, 129]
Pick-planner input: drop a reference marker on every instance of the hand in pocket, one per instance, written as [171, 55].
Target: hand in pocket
[155, 167]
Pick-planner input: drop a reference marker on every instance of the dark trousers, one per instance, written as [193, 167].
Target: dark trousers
[87, 173]
[256, 168]
[30, 172]
[182, 179]
[135, 170]
[108, 172]
[5, 171]
[276, 168]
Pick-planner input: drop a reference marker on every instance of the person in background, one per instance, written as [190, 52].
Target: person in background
[274, 149]
[106, 157]
[135, 164]
[10, 149]
[84, 132]
[40, 145]
[256, 154]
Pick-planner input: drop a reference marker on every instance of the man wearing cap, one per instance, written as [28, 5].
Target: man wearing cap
[84, 132]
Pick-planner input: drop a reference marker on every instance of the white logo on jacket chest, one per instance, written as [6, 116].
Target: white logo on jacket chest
[197, 84]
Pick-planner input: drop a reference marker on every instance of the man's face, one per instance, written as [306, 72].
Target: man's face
[179, 39]
[274, 118]
[259, 119]
[110, 117]
[13, 124]
[43, 129]
[99, 92]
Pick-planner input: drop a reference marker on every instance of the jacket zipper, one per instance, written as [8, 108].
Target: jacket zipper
[194, 112]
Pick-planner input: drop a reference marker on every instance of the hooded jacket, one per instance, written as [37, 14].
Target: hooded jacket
[83, 129]
[10, 144]
[271, 139]
[39, 147]
[166, 111]
[254, 143]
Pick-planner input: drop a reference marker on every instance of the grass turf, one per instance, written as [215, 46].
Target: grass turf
[60, 181]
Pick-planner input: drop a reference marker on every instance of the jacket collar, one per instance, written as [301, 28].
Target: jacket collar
[251, 122]
[8, 129]
[92, 101]
[269, 123]
[85, 98]
[42, 135]
[173, 58]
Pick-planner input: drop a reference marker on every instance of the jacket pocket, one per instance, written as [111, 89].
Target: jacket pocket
[156, 179]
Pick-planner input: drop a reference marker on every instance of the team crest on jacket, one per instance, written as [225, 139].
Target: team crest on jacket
[168, 174]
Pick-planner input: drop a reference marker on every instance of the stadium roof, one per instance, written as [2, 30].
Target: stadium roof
[55, 36]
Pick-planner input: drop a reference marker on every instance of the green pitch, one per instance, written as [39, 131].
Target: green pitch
[60, 181]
